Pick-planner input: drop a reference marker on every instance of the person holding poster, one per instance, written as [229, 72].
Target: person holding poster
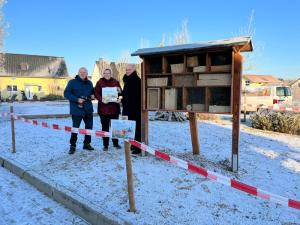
[107, 92]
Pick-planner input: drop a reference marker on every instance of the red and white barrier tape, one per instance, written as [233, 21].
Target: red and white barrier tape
[275, 107]
[218, 177]
[95, 133]
[178, 162]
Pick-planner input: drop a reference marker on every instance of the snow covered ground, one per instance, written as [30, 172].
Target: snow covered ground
[36, 108]
[22, 204]
[164, 193]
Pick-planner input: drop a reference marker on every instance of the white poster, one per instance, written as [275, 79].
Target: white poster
[122, 129]
[109, 94]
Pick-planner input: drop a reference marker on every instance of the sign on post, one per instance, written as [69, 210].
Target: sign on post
[124, 129]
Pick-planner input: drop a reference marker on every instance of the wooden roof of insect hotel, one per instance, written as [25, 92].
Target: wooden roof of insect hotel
[243, 44]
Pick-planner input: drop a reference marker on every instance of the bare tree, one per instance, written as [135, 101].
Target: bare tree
[144, 43]
[180, 37]
[2, 34]
[183, 36]
[163, 40]
[121, 64]
[251, 58]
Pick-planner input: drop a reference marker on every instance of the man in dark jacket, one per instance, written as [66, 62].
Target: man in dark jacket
[132, 101]
[79, 92]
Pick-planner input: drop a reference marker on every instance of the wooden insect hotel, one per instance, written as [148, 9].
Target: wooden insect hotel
[195, 78]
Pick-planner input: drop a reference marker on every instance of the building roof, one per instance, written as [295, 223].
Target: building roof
[23, 65]
[294, 82]
[244, 44]
[262, 79]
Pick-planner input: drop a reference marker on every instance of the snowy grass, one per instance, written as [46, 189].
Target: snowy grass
[23, 204]
[164, 193]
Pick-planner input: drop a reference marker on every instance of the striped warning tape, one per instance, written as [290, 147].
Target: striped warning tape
[95, 133]
[178, 162]
[218, 177]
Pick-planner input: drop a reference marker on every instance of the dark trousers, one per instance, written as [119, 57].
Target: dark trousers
[138, 129]
[138, 126]
[88, 121]
[105, 122]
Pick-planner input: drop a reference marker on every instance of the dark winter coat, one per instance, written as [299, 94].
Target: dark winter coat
[111, 108]
[132, 96]
[75, 89]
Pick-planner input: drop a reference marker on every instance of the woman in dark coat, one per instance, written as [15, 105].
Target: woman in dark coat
[131, 101]
[107, 110]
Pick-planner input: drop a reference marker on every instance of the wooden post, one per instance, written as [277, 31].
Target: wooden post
[129, 177]
[245, 106]
[12, 123]
[144, 130]
[236, 108]
[194, 133]
[144, 116]
[144, 126]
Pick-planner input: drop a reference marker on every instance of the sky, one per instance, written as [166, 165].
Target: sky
[84, 31]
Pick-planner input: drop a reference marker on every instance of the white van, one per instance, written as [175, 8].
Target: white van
[254, 97]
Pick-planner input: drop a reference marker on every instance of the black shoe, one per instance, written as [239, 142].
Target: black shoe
[117, 146]
[136, 152]
[88, 147]
[105, 148]
[72, 150]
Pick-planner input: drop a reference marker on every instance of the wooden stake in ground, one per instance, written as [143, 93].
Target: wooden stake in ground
[129, 177]
[194, 132]
[12, 123]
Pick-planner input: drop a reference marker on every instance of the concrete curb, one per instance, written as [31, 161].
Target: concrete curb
[88, 211]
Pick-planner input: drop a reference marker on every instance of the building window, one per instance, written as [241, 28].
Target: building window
[24, 66]
[247, 82]
[12, 88]
[39, 88]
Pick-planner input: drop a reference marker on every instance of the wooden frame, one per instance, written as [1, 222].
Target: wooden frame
[219, 67]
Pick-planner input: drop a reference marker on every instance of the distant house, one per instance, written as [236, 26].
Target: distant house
[295, 86]
[32, 76]
[118, 69]
[259, 80]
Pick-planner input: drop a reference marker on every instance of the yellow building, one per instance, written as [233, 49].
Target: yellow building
[28, 77]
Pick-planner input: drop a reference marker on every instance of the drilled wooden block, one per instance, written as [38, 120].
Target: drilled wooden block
[153, 98]
[171, 99]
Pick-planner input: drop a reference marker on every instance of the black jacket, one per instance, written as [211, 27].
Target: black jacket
[132, 96]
